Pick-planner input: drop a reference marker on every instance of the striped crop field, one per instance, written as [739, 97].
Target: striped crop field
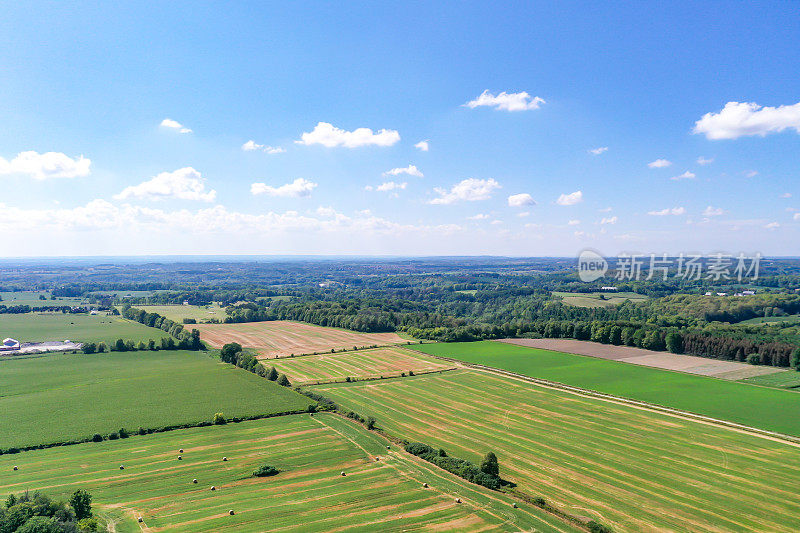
[631, 468]
[281, 338]
[382, 489]
[386, 362]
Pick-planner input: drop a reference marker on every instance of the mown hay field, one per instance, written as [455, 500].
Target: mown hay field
[179, 312]
[378, 362]
[630, 468]
[760, 407]
[61, 397]
[281, 338]
[78, 327]
[308, 494]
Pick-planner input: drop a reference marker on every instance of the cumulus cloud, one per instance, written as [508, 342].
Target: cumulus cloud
[571, 198]
[251, 146]
[183, 184]
[299, 188]
[521, 200]
[659, 163]
[772, 225]
[479, 216]
[739, 119]
[685, 176]
[326, 134]
[174, 125]
[609, 220]
[468, 190]
[711, 211]
[796, 216]
[750, 174]
[664, 212]
[387, 186]
[422, 146]
[705, 161]
[574, 222]
[411, 170]
[506, 101]
[599, 150]
[786, 195]
[45, 166]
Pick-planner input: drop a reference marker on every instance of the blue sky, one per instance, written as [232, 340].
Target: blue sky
[121, 86]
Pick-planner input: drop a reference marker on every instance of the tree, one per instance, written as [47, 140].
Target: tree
[229, 351]
[89, 347]
[283, 380]
[489, 465]
[81, 502]
[272, 375]
[796, 359]
[120, 345]
[674, 342]
[101, 347]
[40, 524]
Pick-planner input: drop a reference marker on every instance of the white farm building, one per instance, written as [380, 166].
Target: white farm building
[9, 344]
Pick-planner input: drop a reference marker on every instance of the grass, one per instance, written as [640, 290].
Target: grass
[632, 469]
[598, 299]
[308, 493]
[761, 407]
[788, 319]
[79, 327]
[359, 364]
[179, 312]
[786, 380]
[32, 298]
[61, 397]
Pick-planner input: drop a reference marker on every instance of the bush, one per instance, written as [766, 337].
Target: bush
[113, 436]
[283, 380]
[370, 423]
[81, 502]
[265, 471]
[87, 525]
[97, 437]
[122, 433]
[219, 419]
[597, 527]
[754, 359]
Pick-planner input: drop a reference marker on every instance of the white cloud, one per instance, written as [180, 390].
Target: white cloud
[479, 216]
[685, 176]
[326, 134]
[659, 163]
[524, 214]
[796, 216]
[750, 174]
[422, 146]
[738, 119]
[610, 220]
[496, 222]
[299, 188]
[599, 150]
[468, 190]
[183, 184]
[786, 195]
[506, 101]
[704, 161]
[605, 210]
[664, 212]
[387, 186]
[571, 198]
[411, 170]
[521, 200]
[772, 225]
[574, 222]
[174, 125]
[251, 146]
[325, 211]
[711, 211]
[47, 165]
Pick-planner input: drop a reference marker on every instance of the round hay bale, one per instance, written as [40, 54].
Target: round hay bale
[388, 447]
[425, 485]
[458, 500]
[230, 512]
[180, 451]
[194, 481]
[514, 505]
[343, 474]
[16, 468]
[377, 458]
[121, 467]
[224, 459]
[140, 520]
[180, 458]
[213, 487]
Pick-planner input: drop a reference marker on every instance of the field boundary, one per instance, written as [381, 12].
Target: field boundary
[763, 433]
[378, 378]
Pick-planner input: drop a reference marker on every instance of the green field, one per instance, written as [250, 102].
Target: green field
[79, 327]
[789, 319]
[32, 298]
[179, 312]
[309, 493]
[60, 397]
[761, 407]
[598, 299]
[633, 469]
[785, 380]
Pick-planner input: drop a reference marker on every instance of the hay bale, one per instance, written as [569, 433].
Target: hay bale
[388, 447]
[213, 487]
[180, 451]
[230, 512]
[121, 467]
[425, 485]
[514, 505]
[140, 520]
[377, 458]
[458, 500]
[180, 458]
[343, 474]
[224, 459]
[194, 481]
[16, 468]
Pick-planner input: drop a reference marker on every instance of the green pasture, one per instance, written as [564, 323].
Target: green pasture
[78, 327]
[33, 299]
[598, 299]
[761, 407]
[61, 397]
[179, 312]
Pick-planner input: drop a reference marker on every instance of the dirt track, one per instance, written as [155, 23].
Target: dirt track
[669, 361]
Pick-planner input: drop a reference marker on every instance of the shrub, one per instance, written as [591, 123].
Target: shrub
[97, 437]
[283, 380]
[122, 433]
[113, 436]
[101, 347]
[754, 359]
[89, 347]
[410, 372]
[265, 471]
[541, 502]
[597, 527]
[489, 465]
[272, 375]
[81, 502]
[87, 525]
[219, 419]
[370, 423]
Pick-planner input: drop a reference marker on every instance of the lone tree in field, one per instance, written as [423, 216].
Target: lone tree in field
[229, 351]
[283, 380]
[81, 502]
[489, 465]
